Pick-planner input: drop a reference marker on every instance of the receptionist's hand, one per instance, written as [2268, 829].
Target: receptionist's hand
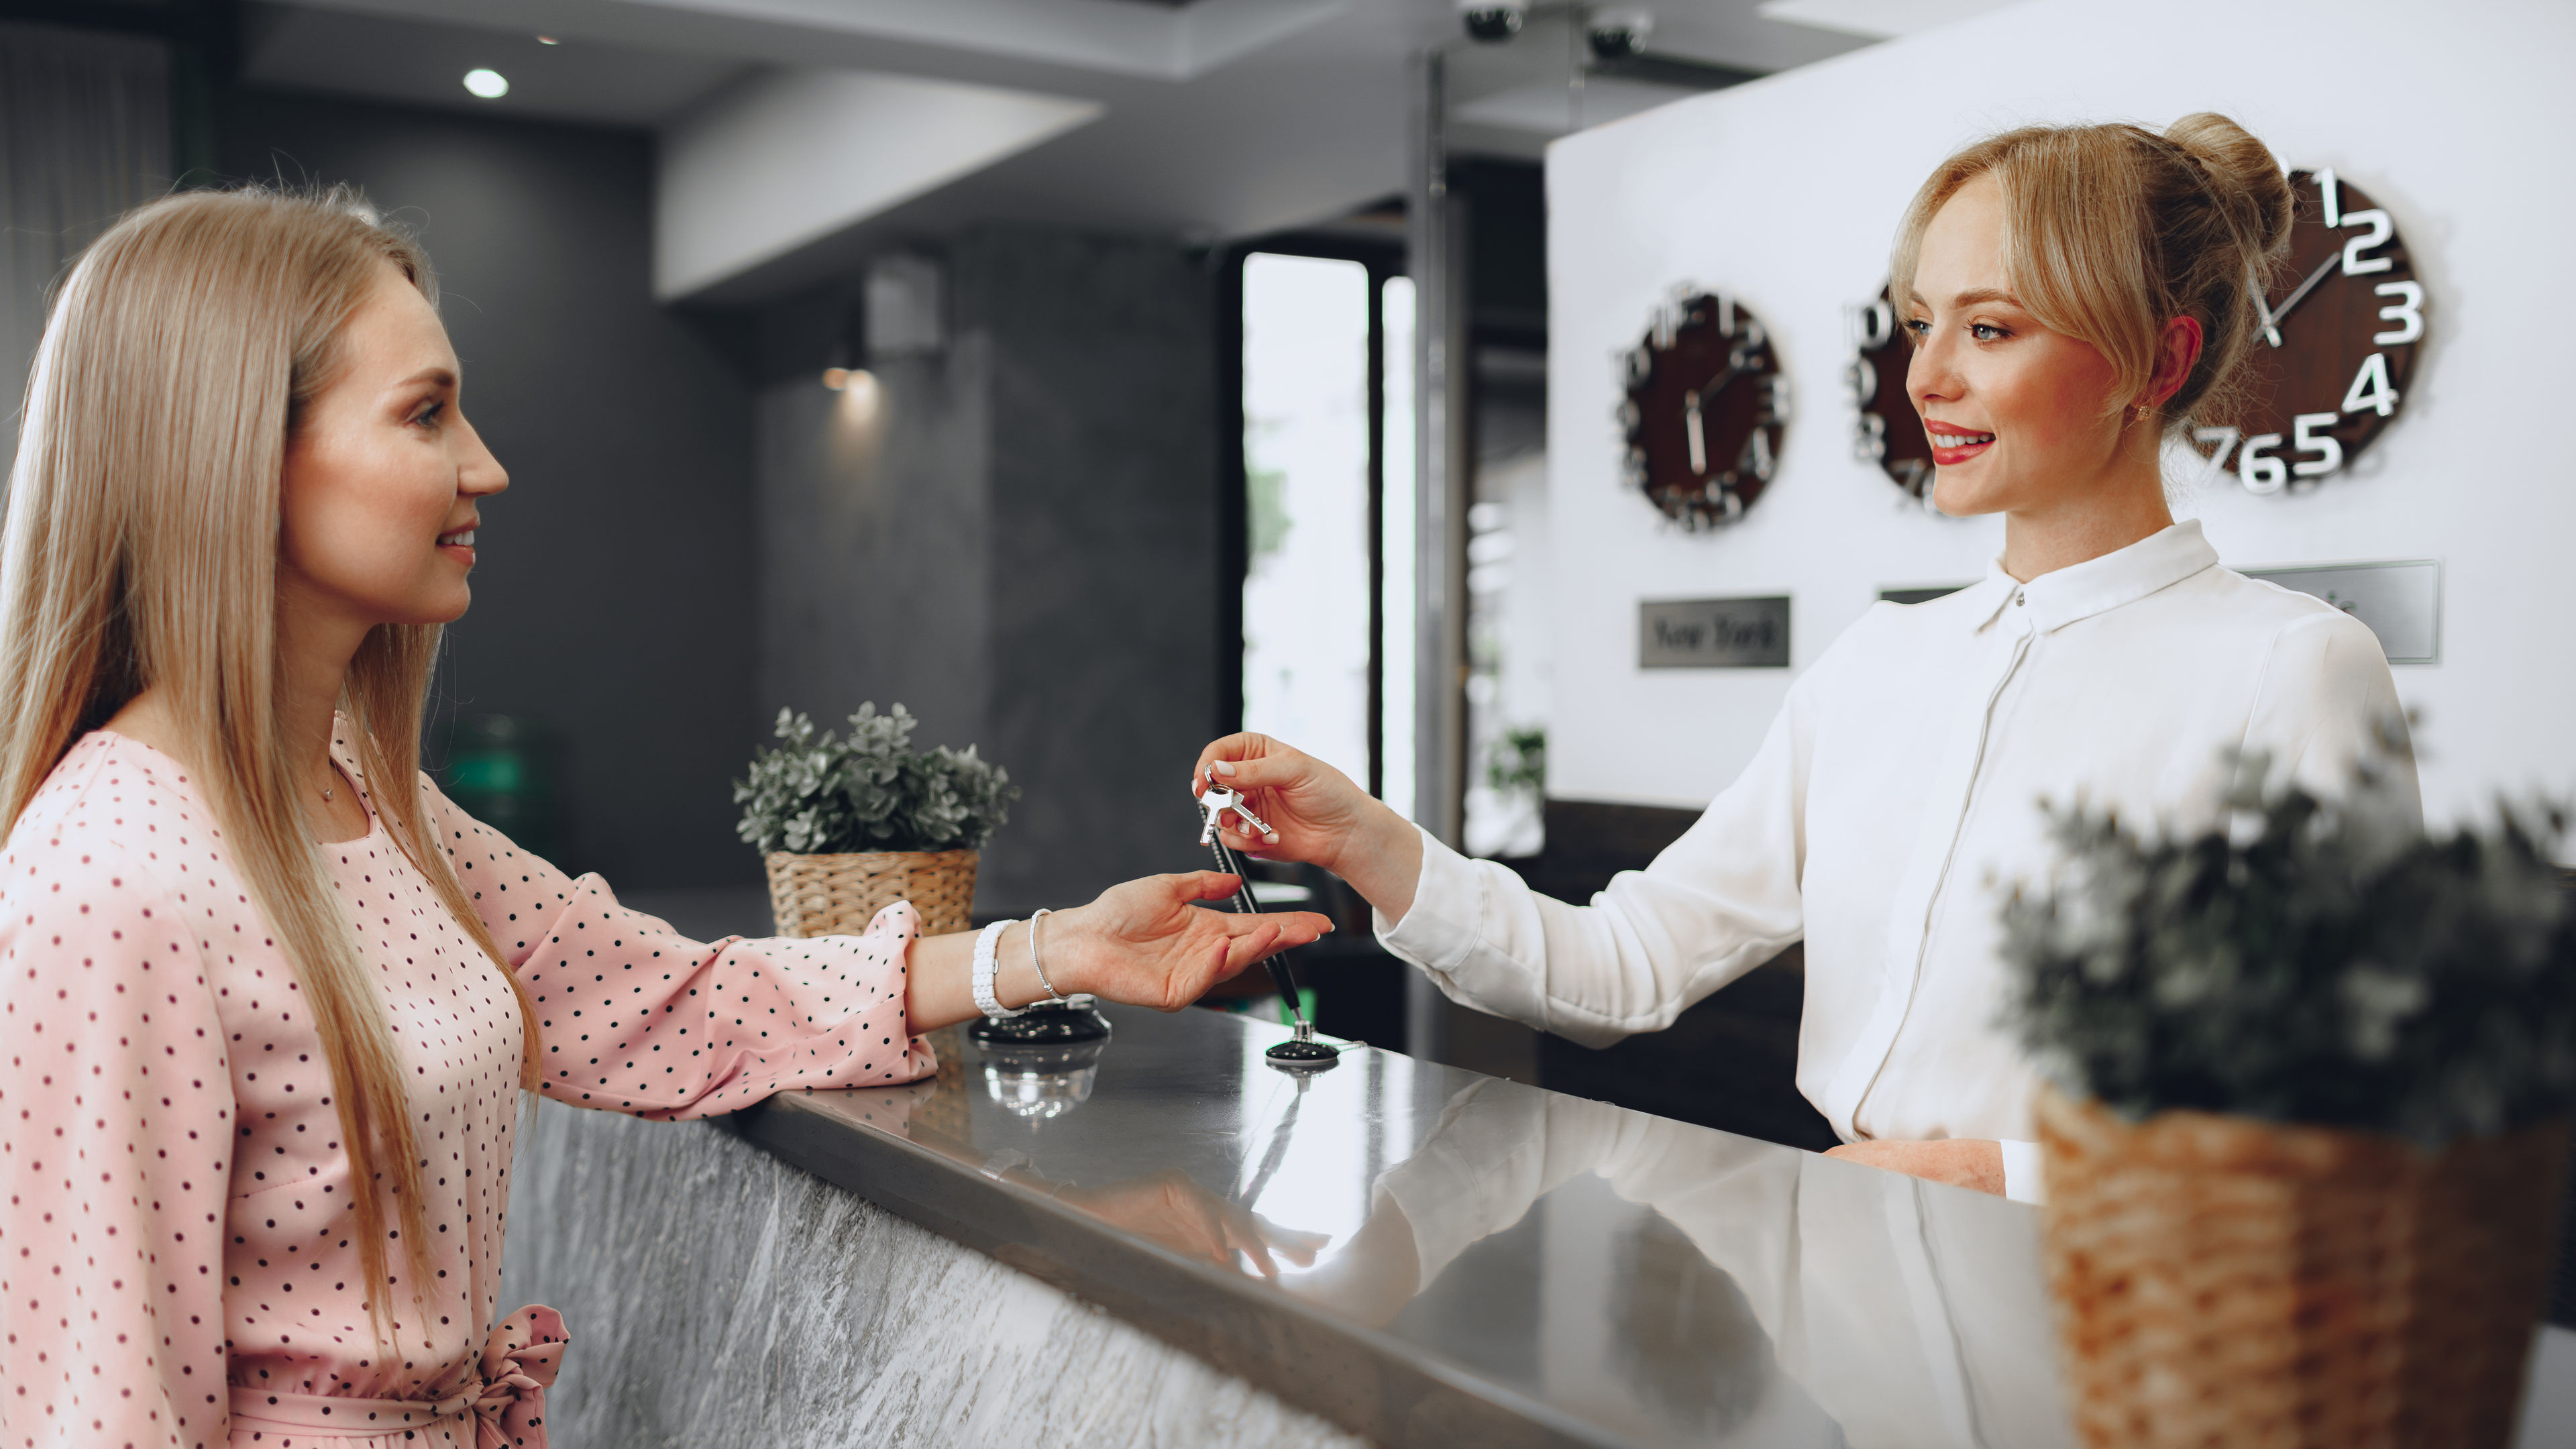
[1316, 815]
[1958, 1161]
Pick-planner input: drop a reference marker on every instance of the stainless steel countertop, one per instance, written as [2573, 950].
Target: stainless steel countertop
[1456, 1259]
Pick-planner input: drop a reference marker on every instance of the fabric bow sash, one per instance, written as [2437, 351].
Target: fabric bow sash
[520, 1360]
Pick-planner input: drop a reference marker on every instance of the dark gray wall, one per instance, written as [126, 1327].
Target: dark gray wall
[1019, 546]
[614, 600]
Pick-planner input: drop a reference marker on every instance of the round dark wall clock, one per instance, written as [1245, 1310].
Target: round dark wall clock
[1885, 428]
[1706, 409]
[2336, 350]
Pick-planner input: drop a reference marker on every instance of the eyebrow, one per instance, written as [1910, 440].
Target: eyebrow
[438, 375]
[1971, 298]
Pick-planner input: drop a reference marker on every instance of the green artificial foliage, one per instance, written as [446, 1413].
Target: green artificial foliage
[818, 795]
[2308, 962]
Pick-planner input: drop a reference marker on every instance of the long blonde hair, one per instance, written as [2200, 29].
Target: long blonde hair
[2112, 230]
[141, 550]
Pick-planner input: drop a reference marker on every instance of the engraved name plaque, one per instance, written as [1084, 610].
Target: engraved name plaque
[1713, 633]
[2401, 600]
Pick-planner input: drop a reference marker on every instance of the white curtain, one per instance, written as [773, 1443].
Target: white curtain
[84, 134]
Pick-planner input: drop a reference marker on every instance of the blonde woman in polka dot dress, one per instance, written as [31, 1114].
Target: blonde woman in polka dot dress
[268, 999]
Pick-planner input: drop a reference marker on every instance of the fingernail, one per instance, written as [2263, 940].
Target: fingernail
[1225, 767]
[1272, 837]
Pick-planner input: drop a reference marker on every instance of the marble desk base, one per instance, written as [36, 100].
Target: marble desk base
[717, 1297]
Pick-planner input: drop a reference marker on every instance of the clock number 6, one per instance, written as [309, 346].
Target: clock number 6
[2257, 469]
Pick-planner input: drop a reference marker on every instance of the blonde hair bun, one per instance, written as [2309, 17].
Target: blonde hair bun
[2244, 176]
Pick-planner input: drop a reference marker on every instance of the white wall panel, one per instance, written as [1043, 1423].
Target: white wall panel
[1787, 192]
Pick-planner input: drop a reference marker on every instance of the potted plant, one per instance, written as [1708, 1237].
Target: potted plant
[850, 826]
[2307, 1117]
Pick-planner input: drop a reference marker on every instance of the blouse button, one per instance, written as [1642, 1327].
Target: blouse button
[2017, 600]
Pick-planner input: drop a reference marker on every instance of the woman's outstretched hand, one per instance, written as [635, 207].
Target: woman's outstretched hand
[1146, 943]
[1315, 815]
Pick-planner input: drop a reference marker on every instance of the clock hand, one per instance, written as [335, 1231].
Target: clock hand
[2272, 319]
[1691, 417]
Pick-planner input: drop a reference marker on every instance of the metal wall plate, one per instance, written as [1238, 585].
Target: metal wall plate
[1920, 595]
[2400, 599]
[1713, 633]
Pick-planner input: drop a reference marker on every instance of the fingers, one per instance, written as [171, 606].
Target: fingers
[1229, 752]
[1276, 771]
[1293, 928]
[1206, 885]
[1258, 942]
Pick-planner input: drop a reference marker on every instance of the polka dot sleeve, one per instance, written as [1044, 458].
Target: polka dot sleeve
[117, 1151]
[636, 1018]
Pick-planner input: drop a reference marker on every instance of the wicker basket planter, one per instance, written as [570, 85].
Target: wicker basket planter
[2227, 1281]
[837, 895]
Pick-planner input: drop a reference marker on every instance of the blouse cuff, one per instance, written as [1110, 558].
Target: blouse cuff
[2022, 1179]
[1439, 929]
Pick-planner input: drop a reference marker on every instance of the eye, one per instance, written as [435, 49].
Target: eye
[1987, 332]
[429, 412]
[1917, 328]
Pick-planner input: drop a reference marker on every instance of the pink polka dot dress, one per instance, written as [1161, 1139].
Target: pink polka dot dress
[177, 1255]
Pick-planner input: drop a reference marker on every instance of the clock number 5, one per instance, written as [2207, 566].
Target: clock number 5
[2306, 436]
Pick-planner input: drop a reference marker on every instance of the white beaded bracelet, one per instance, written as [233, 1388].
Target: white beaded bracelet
[985, 1001]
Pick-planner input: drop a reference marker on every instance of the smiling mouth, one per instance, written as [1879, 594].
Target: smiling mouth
[1952, 448]
[461, 539]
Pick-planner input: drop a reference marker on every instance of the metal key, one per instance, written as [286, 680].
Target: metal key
[1218, 800]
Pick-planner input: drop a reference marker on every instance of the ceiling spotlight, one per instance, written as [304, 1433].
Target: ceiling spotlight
[1621, 33]
[548, 40]
[1492, 20]
[487, 84]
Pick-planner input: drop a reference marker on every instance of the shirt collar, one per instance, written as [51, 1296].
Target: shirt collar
[2098, 585]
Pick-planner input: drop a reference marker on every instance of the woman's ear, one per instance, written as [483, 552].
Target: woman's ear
[2177, 352]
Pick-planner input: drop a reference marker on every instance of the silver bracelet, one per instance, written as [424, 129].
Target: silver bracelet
[985, 1001]
[1053, 996]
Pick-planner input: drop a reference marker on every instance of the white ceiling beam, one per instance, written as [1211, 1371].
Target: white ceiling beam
[785, 159]
[1110, 37]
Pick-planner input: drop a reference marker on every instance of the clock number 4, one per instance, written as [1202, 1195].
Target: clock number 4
[2370, 387]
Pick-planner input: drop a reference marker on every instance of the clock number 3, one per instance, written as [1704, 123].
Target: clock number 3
[2407, 313]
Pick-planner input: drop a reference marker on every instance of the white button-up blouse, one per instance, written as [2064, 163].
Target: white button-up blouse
[1894, 803]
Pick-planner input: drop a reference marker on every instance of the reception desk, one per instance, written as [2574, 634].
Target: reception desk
[1036, 1251]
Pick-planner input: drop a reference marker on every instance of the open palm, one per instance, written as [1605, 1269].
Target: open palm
[1150, 943]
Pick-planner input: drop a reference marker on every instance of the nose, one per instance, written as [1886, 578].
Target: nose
[478, 473]
[1932, 375]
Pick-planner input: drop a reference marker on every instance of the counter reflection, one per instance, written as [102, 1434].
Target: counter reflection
[1657, 1279]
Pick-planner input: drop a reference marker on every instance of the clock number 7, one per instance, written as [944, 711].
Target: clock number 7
[2225, 438]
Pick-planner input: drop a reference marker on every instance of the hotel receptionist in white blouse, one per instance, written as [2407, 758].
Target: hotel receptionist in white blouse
[2075, 295]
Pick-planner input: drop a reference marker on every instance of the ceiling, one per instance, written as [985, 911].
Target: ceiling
[1213, 120]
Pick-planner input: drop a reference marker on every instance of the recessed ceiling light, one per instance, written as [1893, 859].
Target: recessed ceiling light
[488, 84]
[548, 40]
